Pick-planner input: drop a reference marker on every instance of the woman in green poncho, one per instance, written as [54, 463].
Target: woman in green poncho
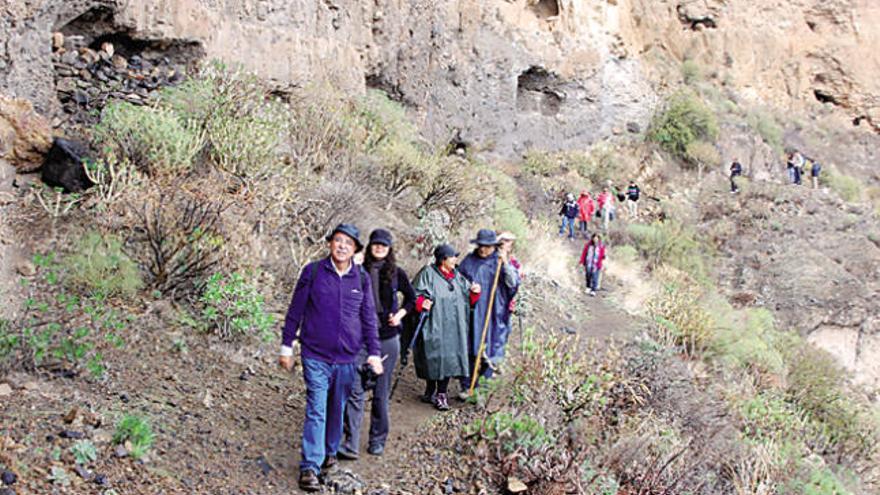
[441, 350]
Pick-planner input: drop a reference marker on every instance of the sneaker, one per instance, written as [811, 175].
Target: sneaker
[440, 402]
[592, 293]
[329, 463]
[463, 395]
[347, 455]
[376, 449]
[308, 481]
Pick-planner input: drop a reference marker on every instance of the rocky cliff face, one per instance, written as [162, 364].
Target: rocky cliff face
[505, 74]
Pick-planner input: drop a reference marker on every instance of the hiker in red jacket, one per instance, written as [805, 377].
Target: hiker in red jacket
[587, 208]
[592, 258]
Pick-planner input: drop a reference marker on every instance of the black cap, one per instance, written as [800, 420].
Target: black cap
[485, 237]
[351, 231]
[380, 236]
[444, 251]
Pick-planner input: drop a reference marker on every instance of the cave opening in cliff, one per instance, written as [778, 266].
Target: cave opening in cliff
[380, 82]
[545, 8]
[823, 97]
[538, 90]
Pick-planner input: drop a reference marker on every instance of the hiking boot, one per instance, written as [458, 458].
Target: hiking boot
[347, 455]
[308, 481]
[329, 463]
[440, 402]
[376, 449]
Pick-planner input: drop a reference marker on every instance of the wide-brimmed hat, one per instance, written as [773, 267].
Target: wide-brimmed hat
[381, 236]
[485, 237]
[444, 251]
[351, 231]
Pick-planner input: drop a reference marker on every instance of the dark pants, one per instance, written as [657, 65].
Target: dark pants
[733, 186]
[593, 279]
[354, 406]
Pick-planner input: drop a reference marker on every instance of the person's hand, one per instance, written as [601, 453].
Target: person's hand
[375, 362]
[426, 304]
[286, 362]
[394, 320]
[475, 288]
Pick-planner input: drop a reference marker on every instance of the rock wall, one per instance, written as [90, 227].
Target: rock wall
[504, 74]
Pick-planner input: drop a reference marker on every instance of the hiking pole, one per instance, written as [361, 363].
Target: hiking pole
[485, 329]
[404, 360]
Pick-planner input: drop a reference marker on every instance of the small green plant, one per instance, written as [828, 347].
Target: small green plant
[771, 132]
[153, 139]
[9, 340]
[99, 267]
[55, 202]
[84, 452]
[232, 306]
[58, 476]
[823, 481]
[680, 319]
[703, 155]
[683, 120]
[542, 163]
[691, 72]
[112, 179]
[137, 432]
[671, 243]
[849, 188]
[511, 432]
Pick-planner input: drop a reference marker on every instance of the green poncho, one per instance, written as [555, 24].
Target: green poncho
[441, 349]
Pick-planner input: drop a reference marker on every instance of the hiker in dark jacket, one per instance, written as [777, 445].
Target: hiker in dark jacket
[569, 213]
[815, 170]
[441, 347]
[736, 170]
[387, 280]
[479, 267]
[632, 195]
[333, 316]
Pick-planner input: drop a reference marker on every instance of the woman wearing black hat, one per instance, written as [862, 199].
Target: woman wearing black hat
[441, 347]
[388, 280]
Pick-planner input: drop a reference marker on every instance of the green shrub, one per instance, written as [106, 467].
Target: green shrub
[232, 307]
[137, 432]
[691, 72]
[98, 266]
[702, 154]
[9, 340]
[152, 138]
[849, 188]
[767, 416]
[822, 481]
[747, 339]
[671, 243]
[542, 163]
[771, 132]
[679, 318]
[683, 120]
[510, 432]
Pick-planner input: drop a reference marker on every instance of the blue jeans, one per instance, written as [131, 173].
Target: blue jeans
[567, 224]
[327, 387]
[593, 279]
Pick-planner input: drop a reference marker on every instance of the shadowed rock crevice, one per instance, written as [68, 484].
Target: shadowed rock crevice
[545, 8]
[538, 90]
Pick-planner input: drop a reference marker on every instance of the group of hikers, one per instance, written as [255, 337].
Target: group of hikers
[603, 207]
[796, 164]
[355, 321]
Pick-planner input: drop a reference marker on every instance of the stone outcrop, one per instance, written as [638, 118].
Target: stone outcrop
[25, 136]
[507, 75]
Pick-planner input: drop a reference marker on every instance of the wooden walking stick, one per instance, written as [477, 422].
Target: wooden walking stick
[485, 329]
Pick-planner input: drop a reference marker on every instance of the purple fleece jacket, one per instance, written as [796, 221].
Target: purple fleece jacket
[335, 316]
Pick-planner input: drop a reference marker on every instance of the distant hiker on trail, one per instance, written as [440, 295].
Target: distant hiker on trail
[333, 316]
[789, 167]
[592, 258]
[798, 162]
[441, 350]
[490, 269]
[387, 280]
[736, 170]
[586, 207]
[815, 170]
[606, 206]
[568, 212]
[632, 195]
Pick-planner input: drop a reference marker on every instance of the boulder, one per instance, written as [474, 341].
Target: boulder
[25, 136]
[63, 166]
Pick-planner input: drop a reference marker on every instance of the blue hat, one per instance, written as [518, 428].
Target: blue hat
[351, 231]
[380, 236]
[444, 251]
[485, 237]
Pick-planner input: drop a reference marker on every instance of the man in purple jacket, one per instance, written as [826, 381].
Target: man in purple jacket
[333, 316]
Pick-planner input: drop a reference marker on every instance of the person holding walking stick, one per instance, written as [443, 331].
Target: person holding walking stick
[488, 267]
[441, 348]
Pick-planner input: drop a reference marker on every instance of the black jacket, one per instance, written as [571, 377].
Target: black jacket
[387, 302]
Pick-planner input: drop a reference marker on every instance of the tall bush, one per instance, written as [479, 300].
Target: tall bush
[683, 120]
